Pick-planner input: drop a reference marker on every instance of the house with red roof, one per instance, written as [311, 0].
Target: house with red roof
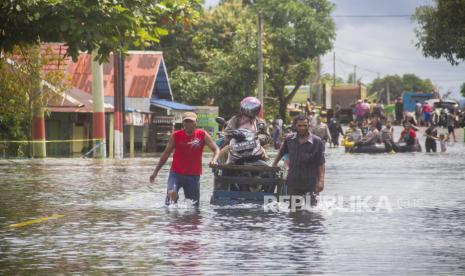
[147, 91]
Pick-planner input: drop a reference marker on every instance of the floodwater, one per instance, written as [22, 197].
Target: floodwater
[385, 214]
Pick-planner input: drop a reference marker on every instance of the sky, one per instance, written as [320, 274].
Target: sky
[384, 45]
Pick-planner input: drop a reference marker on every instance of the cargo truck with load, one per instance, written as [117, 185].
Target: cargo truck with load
[341, 99]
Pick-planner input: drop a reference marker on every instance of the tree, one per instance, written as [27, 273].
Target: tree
[462, 89]
[221, 50]
[397, 85]
[328, 78]
[296, 32]
[413, 83]
[215, 60]
[86, 25]
[441, 30]
[83, 25]
[191, 87]
[20, 72]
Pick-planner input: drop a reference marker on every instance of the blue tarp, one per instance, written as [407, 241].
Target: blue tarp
[170, 105]
[410, 99]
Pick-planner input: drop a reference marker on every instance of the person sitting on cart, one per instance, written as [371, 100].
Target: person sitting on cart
[248, 119]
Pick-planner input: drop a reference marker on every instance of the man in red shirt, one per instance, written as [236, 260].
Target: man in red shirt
[186, 168]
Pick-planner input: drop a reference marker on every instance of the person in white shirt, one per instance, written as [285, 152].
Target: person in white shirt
[321, 130]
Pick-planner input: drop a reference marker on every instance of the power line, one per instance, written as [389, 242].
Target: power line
[462, 80]
[375, 16]
[386, 57]
[358, 67]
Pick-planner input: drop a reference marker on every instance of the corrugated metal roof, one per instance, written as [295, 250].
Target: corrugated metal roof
[140, 68]
[54, 57]
[58, 61]
[170, 105]
[74, 100]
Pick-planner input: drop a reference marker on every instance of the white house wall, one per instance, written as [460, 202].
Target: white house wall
[143, 104]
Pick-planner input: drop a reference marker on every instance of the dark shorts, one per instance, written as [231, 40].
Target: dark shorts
[450, 129]
[426, 116]
[189, 183]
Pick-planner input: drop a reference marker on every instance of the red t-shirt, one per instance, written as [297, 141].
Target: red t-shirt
[187, 158]
[409, 137]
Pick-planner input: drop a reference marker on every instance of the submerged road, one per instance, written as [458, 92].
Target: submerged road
[63, 216]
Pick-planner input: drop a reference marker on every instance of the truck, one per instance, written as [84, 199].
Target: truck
[343, 97]
[410, 99]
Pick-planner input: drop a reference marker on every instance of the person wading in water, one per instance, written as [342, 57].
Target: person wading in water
[188, 145]
[306, 175]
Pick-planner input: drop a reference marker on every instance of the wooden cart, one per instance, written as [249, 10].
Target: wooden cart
[236, 184]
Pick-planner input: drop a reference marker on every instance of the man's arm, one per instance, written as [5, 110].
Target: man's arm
[401, 137]
[320, 160]
[164, 157]
[321, 179]
[212, 145]
[328, 134]
[281, 153]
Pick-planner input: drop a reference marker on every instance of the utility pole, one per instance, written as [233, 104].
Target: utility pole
[355, 74]
[334, 68]
[260, 60]
[318, 88]
[310, 82]
[118, 63]
[388, 91]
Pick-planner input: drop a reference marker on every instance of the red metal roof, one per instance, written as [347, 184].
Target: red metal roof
[56, 58]
[53, 57]
[141, 69]
[74, 100]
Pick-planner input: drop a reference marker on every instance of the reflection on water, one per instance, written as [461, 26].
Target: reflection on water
[115, 222]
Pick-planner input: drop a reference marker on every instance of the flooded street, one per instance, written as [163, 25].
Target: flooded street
[396, 214]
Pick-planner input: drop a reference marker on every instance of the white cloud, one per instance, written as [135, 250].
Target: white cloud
[384, 45]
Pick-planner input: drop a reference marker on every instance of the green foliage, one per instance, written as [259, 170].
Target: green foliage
[86, 25]
[21, 72]
[462, 89]
[213, 62]
[296, 32]
[441, 31]
[411, 82]
[328, 78]
[13, 110]
[218, 54]
[397, 85]
[191, 87]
